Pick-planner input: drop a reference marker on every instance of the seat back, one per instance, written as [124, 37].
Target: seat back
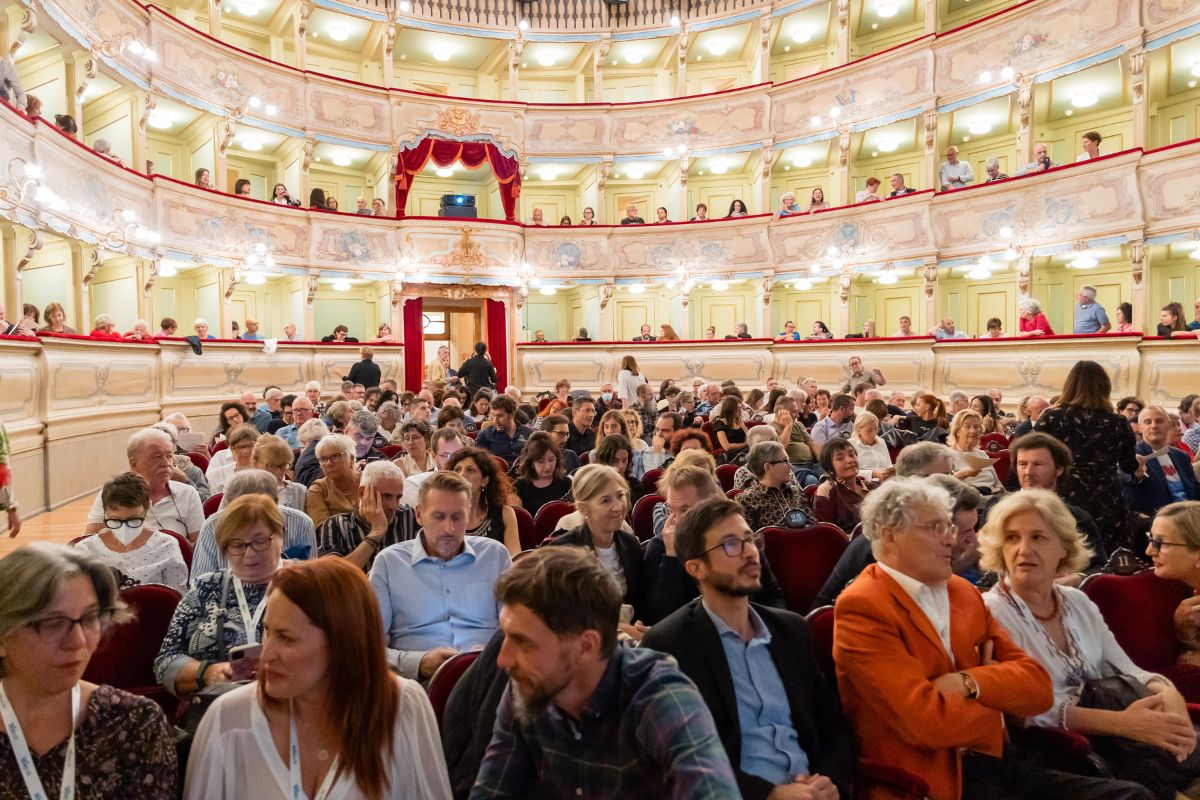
[650, 480]
[501, 463]
[545, 522]
[802, 560]
[1002, 464]
[643, 516]
[725, 474]
[1140, 611]
[820, 627]
[126, 653]
[993, 443]
[732, 494]
[218, 447]
[185, 547]
[200, 460]
[526, 531]
[445, 678]
[212, 504]
[811, 491]
[393, 450]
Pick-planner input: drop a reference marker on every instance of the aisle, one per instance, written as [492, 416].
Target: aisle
[60, 525]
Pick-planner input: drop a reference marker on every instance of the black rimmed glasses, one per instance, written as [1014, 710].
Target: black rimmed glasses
[735, 546]
[238, 548]
[1158, 544]
[117, 524]
[52, 630]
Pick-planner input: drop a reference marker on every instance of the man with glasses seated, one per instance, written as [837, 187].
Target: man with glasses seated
[778, 718]
[299, 536]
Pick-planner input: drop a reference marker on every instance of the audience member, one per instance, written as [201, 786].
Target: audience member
[1174, 542]
[1166, 474]
[954, 174]
[1033, 321]
[589, 216]
[444, 443]
[816, 200]
[62, 732]
[661, 215]
[1171, 322]
[324, 689]
[415, 435]
[898, 187]
[923, 459]
[874, 460]
[241, 441]
[505, 437]
[753, 665]
[1090, 142]
[477, 371]
[1090, 316]
[379, 520]
[56, 318]
[490, 513]
[905, 329]
[273, 455]
[838, 423]
[788, 206]
[1041, 160]
[337, 490]
[946, 330]
[838, 498]
[701, 213]
[434, 590]
[541, 477]
[308, 467]
[774, 492]
[819, 331]
[729, 428]
[972, 464]
[302, 412]
[737, 209]
[992, 167]
[631, 216]
[869, 194]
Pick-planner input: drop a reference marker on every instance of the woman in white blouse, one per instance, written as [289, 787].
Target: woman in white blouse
[130, 543]
[1031, 539]
[628, 381]
[325, 718]
[874, 460]
[273, 455]
[241, 449]
[965, 430]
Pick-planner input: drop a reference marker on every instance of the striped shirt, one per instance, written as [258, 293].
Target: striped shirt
[646, 734]
[341, 534]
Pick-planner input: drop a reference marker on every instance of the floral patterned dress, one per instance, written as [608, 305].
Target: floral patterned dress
[1101, 443]
[124, 749]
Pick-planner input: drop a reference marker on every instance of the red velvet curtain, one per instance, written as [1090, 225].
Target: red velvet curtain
[414, 344]
[473, 155]
[496, 331]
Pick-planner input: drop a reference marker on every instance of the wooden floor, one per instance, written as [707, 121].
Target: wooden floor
[60, 525]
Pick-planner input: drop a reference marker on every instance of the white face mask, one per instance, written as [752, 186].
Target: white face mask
[127, 532]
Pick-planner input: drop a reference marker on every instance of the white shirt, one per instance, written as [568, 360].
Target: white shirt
[159, 560]
[933, 600]
[987, 477]
[627, 384]
[871, 457]
[179, 511]
[234, 756]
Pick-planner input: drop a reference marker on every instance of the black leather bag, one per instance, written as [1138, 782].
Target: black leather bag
[1128, 759]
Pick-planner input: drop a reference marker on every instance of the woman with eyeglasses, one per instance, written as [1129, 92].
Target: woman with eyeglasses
[336, 492]
[273, 455]
[129, 543]
[1031, 540]
[1175, 550]
[775, 492]
[66, 737]
[241, 447]
[224, 609]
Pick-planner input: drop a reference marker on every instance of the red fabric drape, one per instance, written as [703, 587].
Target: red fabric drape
[414, 344]
[473, 155]
[496, 330]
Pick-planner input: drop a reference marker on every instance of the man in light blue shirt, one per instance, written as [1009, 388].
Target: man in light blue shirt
[302, 412]
[838, 423]
[954, 174]
[436, 591]
[1090, 316]
[946, 331]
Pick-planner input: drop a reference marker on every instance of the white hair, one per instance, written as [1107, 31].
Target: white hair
[378, 471]
[200, 321]
[104, 319]
[894, 503]
[334, 442]
[312, 430]
[177, 418]
[992, 162]
[143, 437]
[1089, 291]
[272, 393]
[1029, 305]
[312, 385]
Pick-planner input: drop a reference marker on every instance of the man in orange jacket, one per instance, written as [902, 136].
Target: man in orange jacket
[926, 674]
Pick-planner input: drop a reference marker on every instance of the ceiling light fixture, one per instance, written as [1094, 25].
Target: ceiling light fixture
[247, 9]
[405, 6]
[979, 127]
[803, 285]
[1084, 99]
[801, 34]
[675, 20]
[444, 172]
[887, 144]
[985, 76]
[637, 288]
[634, 173]
[634, 56]
[888, 277]
[523, 24]
[547, 59]
[1005, 232]
[1084, 261]
[979, 273]
[341, 160]
[271, 109]
[548, 291]
[719, 168]
[339, 33]
[547, 174]
[252, 143]
[442, 52]
[718, 47]
[1196, 69]
[1008, 73]
[803, 162]
[341, 285]
[255, 279]
[1194, 254]
[719, 286]
[160, 120]
[816, 121]
[166, 270]
[887, 9]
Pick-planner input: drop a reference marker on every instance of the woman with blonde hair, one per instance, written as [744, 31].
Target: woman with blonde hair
[633, 426]
[1031, 540]
[1174, 549]
[965, 431]
[628, 379]
[272, 454]
[241, 446]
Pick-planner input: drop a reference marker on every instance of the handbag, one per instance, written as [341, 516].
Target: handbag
[1130, 760]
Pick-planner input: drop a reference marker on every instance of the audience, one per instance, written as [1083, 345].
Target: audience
[774, 492]
[646, 732]
[954, 174]
[1090, 316]
[541, 477]
[62, 732]
[241, 440]
[1174, 542]
[337, 491]
[971, 464]
[435, 590]
[325, 695]
[134, 551]
[1166, 474]
[489, 514]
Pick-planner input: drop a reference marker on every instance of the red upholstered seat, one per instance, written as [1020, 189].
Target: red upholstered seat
[802, 560]
[393, 450]
[732, 494]
[501, 463]
[725, 474]
[185, 547]
[820, 626]
[545, 522]
[811, 491]
[1002, 464]
[218, 447]
[125, 655]
[1140, 611]
[212, 504]
[526, 530]
[200, 460]
[643, 516]
[993, 443]
[650, 480]
[445, 678]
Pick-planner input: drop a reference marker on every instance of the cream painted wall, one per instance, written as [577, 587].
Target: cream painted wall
[1055, 288]
[911, 165]
[112, 117]
[47, 279]
[886, 304]
[1175, 280]
[801, 183]
[44, 75]
[357, 309]
[805, 308]
[1063, 136]
[718, 192]
[722, 310]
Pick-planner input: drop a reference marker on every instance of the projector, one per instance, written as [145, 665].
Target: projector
[458, 205]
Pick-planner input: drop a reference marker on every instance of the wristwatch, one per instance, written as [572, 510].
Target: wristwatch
[970, 685]
[200, 670]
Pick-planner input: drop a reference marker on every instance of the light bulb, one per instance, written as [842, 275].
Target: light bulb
[634, 174]
[341, 286]
[271, 109]
[546, 59]
[888, 278]
[547, 174]
[252, 143]
[979, 273]
[1011, 255]
[167, 271]
[637, 288]
[980, 127]
[160, 120]
[815, 120]
[547, 291]
[255, 102]
[1084, 99]
[341, 160]
[1084, 261]
[803, 162]
[260, 248]
[835, 112]
[887, 144]
[634, 56]
[887, 9]
[247, 9]
[719, 286]
[255, 279]
[718, 47]
[675, 20]
[831, 251]
[444, 172]
[804, 284]
[442, 53]
[985, 76]
[339, 33]
[523, 24]
[1196, 69]
[801, 34]
[1008, 73]
[405, 6]
[719, 168]
[1005, 232]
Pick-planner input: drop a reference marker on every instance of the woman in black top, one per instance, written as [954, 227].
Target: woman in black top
[1171, 321]
[1101, 443]
[730, 429]
[477, 371]
[929, 415]
[616, 451]
[490, 514]
[366, 372]
[540, 477]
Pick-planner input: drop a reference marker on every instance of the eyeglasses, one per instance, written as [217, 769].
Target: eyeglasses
[115, 524]
[1158, 544]
[734, 546]
[939, 528]
[329, 458]
[52, 630]
[238, 548]
[779, 461]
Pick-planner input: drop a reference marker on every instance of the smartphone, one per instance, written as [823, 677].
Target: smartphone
[626, 617]
[243, 660]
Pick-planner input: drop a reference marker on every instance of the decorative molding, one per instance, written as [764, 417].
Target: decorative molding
[149, 105]
[33, 245]
[29, 24]
[314, 282]
[1137, 259]
[466, 254]
[89, 74]
[151, 267]
[457, 121]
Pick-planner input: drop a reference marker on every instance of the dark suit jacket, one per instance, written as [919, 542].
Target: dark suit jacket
[690, 636]
[671, 587]
[645, 338]
[1153, 493]
[470, 717]
[630, 550]
[307, 467]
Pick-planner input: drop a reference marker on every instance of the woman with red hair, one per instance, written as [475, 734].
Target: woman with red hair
[325, 718]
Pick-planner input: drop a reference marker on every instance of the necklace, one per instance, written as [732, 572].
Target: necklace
[1053, 614]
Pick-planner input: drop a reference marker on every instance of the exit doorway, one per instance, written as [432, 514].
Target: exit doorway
[457, 326]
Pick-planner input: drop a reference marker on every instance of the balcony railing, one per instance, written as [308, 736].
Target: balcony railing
[570, 14]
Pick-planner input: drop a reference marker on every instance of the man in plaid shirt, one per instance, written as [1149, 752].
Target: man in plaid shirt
[585, 716]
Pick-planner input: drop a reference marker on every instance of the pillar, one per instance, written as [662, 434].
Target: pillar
[608, 315]
[931, 17]
[300, 34]
[1138, 66]
[143, 104]
[682, 196]
[762, 69]
[599, 56]
[306, 156]
[515, 48]
[762, 183]
[601, 201]
[681, 47]
[309, 329]
[9, 236]
[1025, 142]
[1139, 259]
[760, 325]
[930, 275]
[214, 18]
[843, 33]
[843, 191]
[147, 276]
[931, 153]
[389, 47]
[86, 261]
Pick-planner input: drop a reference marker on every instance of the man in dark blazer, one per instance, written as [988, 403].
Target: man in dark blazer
[645, 336]
[1169, 476]
[778, 717]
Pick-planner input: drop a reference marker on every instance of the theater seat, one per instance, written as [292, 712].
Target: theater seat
[732, 494]
[212, 504]
[993, 443]
[1002, 464]
[545, 522]
[393, 450]
[725, 474]
[218, 447]
[1140, 611]
[526, 531]
[650, 480]
[185, 548]
[802, 560]
[125, 655]
[444, 680]
[643, 516]
[200, 460]
[895, 782]
[501, 463]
